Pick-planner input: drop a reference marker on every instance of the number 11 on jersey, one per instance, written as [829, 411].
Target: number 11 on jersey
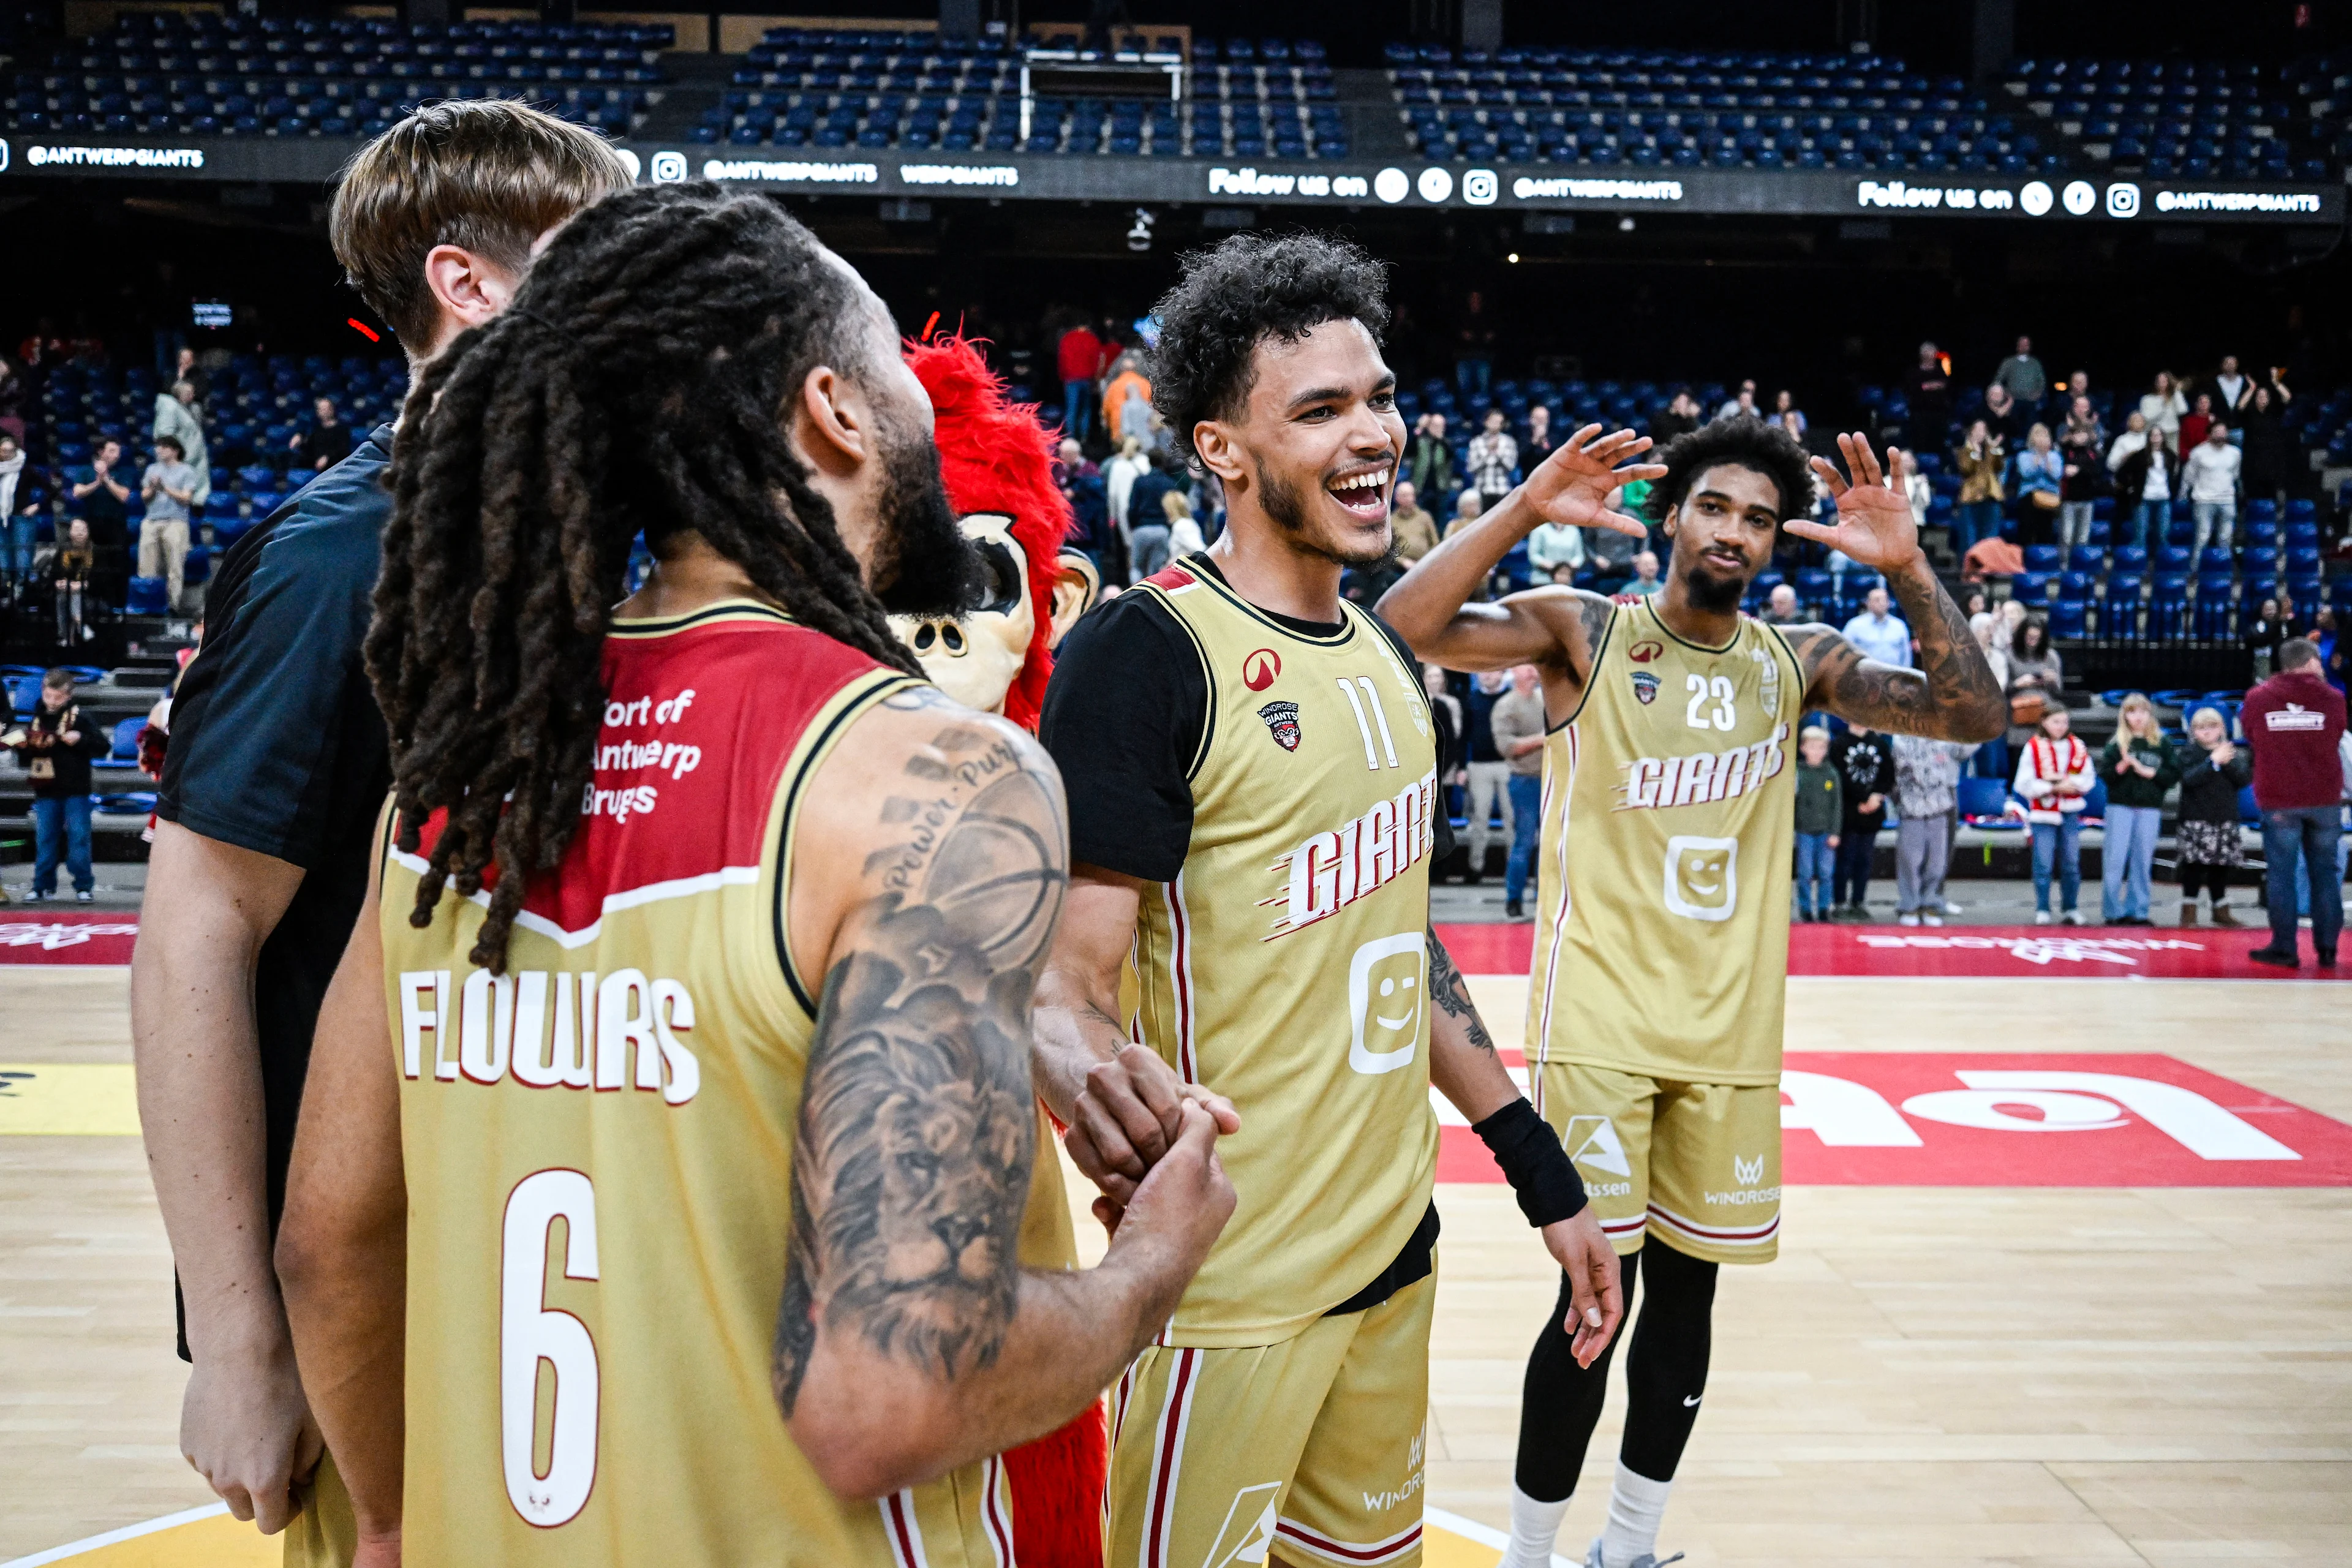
[1371, 699]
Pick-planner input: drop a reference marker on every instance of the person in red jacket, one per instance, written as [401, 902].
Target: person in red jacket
[2294, 726]
[1080, 357]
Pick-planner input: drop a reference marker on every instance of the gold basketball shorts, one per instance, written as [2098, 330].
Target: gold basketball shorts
[1309, 1452]
[1697, 1165]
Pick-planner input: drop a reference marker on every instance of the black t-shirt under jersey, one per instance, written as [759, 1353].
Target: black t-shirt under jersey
[1123, 718]
[278, 747]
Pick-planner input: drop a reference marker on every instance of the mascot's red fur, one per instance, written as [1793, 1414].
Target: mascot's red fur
[996, 457]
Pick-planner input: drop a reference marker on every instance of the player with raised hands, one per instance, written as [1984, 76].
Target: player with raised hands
[1654, 1006]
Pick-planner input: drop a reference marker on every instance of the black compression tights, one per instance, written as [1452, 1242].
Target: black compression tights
[1665, 1373]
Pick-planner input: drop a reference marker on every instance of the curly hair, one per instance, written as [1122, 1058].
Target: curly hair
[1748, 443]
[1243, 290]
[637, 384]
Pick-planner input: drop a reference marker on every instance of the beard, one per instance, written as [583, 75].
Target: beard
[923, 564]
[1713, 594]
[1286, 504]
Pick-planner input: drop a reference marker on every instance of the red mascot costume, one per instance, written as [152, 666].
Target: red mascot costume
[998, 463]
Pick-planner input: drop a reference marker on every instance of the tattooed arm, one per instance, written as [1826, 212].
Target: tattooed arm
[1952, 695]
[1469, 1071]
[908, 1340]
[1463, 1062]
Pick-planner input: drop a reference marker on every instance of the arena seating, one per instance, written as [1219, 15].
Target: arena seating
[256, 406]
[2166, 119]
[1251, 98]
[205, 75]
[2104, 588]
[1652, 108]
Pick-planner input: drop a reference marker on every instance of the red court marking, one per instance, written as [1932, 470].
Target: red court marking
[2081, 953]
[2008, 1118]
[42, 935]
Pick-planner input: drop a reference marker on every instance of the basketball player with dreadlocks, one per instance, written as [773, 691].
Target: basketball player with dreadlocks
[683, 1075]
[1253, 790]
[1662, 948]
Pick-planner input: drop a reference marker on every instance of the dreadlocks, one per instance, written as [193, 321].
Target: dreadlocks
[638, 383]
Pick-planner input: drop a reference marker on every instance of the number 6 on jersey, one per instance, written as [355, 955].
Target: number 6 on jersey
[531, 1332]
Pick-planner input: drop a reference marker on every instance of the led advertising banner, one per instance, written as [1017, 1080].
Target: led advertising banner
[2055, 199]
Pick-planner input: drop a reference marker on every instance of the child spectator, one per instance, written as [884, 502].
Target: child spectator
[2140, 768]
[1927, 793]
[1865, 764]
[55, 747]
[75, 565]
[2211, 845]
[1819, 808]
[2054, 775]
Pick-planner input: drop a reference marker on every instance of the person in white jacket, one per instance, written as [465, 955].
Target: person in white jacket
[17, 540]
[2210, 479]
[2053, 777]
[176, 416]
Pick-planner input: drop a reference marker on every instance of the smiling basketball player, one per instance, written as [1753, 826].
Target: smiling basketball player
[1253, 802]
[1662, 948]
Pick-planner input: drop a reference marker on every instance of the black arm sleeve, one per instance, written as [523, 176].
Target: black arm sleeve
[1123, 718]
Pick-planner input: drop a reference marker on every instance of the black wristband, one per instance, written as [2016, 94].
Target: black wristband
[1537, 1168]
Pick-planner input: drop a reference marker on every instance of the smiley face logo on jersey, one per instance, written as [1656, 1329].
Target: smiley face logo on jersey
[1259, 669]
[1385, 985]
[1702, 876]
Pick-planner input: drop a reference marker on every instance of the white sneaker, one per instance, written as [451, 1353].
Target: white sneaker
[1950, 907]
[1909, 920]
[2042, 916]
[1931, 919]
[1593, 1558]
[2071, 918]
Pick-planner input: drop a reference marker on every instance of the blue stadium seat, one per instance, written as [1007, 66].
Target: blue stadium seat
[1981, 797]
[125, 748]
[147, 596]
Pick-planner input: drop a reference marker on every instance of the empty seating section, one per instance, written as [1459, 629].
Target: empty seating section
[2183, 119]
[834, 88]
[1672, 109]
[205, 75]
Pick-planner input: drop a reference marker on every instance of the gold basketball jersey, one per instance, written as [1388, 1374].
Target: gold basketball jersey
[598, 1148]
[1287, 965]
[1662, 940]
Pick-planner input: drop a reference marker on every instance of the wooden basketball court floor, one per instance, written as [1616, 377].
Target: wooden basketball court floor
[1928, 1375]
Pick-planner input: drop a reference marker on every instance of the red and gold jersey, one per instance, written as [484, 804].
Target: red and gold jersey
[598, 1147]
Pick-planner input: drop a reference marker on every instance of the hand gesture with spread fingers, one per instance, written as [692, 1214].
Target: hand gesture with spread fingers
[1874, 525]
[1571, 486]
